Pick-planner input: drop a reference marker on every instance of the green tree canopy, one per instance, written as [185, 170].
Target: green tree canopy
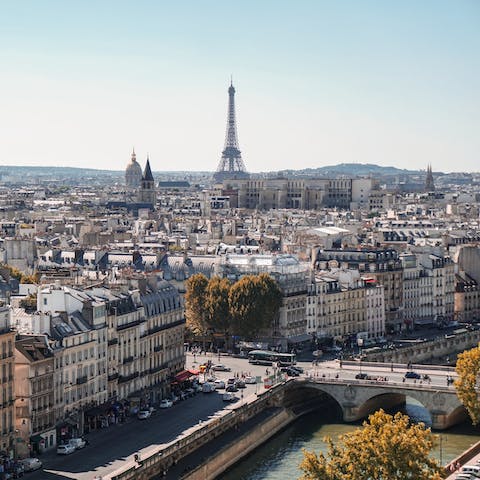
[244, 300]
[195, 313]
[468, 369]
[217, 309]
[386, 448]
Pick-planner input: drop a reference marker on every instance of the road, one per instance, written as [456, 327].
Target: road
[113, 447]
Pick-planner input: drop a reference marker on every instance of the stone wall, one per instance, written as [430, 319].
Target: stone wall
[245, 444]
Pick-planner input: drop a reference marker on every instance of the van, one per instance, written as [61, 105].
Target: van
[471, 469]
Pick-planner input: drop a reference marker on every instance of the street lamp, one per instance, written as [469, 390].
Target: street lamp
[360, 345]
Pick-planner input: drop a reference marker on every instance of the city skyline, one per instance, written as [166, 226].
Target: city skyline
[317, 84]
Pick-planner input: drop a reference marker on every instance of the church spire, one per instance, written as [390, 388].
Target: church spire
[429, 184]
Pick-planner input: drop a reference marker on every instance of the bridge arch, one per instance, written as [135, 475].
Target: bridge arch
[359, 399]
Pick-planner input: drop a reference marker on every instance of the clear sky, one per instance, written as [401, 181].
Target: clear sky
[318, 82]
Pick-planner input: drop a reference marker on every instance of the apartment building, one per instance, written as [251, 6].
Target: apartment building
[342, 306]
[382, 265]
[76, 323]
[467, 298]
[7, 359]
[34, 395]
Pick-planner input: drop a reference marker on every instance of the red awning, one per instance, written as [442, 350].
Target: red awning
[182, 376]
[193, 371]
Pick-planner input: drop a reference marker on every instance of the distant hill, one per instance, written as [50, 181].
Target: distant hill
[351, 169]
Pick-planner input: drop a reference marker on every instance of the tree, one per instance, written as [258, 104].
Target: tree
[271, 297]
[244, 300]
[386, 448]
[468, 368]
[195, 303]
[217, 309]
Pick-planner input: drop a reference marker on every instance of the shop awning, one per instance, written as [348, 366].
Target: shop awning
[304, 337]
[183, 375]
[193, 371]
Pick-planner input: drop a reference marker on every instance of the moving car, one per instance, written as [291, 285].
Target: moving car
[412, 375]
[66, 449]
[220, 367]
[232, 388]
[361, 376]
[165, 403]
[30, 464]
[144, 414]
[250, 380]
[240, 384]
[77, 443]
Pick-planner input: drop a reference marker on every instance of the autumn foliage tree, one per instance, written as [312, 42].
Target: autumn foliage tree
[468, 369]
[195, 312]
[217, 308]
[386, 448]
[244, 308]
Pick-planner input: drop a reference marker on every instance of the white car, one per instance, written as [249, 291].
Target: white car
[144, 414]
[250, 380]
[229, 397]
[77, 443]
[221, 368]
[66, 449]
[219, 384]
[31, 464]
[165, 403]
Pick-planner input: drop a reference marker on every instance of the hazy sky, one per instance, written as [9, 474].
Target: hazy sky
[318, 82]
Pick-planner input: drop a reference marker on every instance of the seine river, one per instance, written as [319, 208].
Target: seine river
[278, 459]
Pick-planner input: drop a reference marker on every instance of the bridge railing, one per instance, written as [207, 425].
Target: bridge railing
[398, 366]
[378, 383]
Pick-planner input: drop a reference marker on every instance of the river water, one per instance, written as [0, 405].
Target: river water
[278, 459]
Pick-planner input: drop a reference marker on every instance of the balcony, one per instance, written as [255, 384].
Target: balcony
[82, 379]
[158, 348]
[158, 368]
[131, 324]
[113, 376]
[127, 378]
[160, 328]
[127, 360]
[113, 341]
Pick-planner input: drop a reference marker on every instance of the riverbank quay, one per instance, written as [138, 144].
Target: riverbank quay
[428, 351]
[468, 457]
[161, 458]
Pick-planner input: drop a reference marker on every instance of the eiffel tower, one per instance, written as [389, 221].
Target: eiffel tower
[231, 165]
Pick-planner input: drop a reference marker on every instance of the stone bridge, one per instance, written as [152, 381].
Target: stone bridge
[359, 398]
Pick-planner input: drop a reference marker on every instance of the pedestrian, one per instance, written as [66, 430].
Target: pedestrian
[457, 466]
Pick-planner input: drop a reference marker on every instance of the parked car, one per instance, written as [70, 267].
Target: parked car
[30, 464]
[297, 368]
[166, 403]
[208, 387]
[231, 388]
[240, 384]
[144, 414]
[361, 376]
[231, 381]
[220, 367]
[66, 449]
[77, 443]
[219, 384]
[412, 374]
[229, 397]
[250, 380]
